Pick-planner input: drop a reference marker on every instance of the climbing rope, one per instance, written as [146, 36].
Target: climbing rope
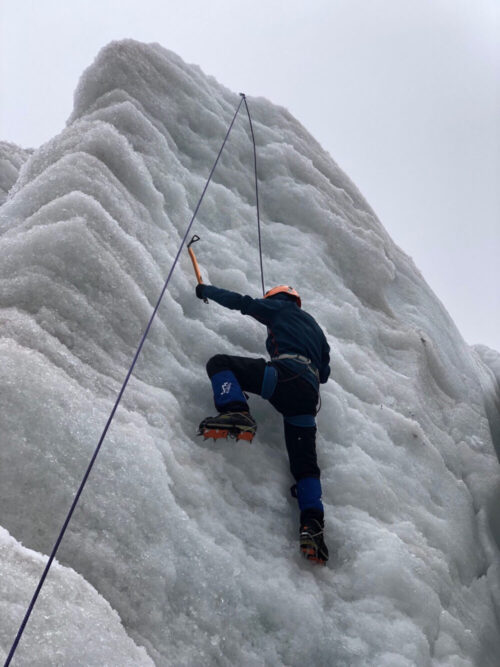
[256, 190]
[129, 373]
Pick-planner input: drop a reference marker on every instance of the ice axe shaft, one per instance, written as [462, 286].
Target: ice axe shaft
[195, 262]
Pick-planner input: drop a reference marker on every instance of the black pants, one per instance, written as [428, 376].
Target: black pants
[293, 396]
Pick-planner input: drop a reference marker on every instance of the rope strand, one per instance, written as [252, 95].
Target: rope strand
[256, 191]
[112, 414]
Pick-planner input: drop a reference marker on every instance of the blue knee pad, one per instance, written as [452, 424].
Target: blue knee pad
[269, 382]
[309, 494]
[226, 389]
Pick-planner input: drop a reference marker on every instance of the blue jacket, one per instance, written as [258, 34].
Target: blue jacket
[290, 329]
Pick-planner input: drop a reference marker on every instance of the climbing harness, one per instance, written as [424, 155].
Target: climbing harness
[308, 366]
[302, 360]
[132, 366]
[295, 357]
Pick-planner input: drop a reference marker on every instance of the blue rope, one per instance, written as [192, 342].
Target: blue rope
[112, 414]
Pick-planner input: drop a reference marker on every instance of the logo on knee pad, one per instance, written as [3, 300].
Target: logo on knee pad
[225, 388]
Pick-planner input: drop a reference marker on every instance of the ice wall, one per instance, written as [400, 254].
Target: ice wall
[12, 158]
[73, 625]
[194, 543]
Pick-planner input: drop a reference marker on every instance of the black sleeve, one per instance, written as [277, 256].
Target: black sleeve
[260, 309]
[324, 371]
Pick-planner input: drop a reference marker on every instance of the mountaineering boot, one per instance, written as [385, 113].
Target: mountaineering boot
[312, 544]
[239, 425]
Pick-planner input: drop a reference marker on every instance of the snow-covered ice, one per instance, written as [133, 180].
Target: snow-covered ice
[12, 157]
[87, 625]
[192, 544]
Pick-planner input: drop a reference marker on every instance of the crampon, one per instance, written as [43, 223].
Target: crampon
[312, 545]
[237, 425]
[217, 433]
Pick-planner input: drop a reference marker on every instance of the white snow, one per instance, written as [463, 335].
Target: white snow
[88, 631]
[194, 543]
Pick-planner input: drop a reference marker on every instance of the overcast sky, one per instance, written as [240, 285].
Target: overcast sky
[404, 94]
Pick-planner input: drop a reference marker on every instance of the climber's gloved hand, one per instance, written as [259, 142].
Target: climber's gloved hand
[199, 290]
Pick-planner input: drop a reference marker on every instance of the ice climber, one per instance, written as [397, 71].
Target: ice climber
[300, 358]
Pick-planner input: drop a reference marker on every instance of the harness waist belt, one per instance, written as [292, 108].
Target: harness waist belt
[297, 357]
[301, 359]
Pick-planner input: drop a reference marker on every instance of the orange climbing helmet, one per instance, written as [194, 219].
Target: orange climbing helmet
[286, 289]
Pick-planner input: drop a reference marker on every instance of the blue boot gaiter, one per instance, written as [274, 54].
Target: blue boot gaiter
[226, 391]
[309, 494]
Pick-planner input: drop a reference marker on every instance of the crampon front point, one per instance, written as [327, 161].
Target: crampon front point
[217, 433]
[310, 553]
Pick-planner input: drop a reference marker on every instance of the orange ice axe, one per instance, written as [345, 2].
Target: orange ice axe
[195, 262]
